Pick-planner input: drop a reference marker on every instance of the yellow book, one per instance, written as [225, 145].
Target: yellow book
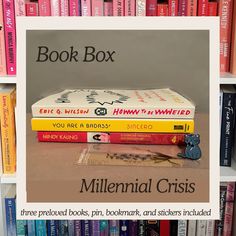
[114, 125]
[7, 117]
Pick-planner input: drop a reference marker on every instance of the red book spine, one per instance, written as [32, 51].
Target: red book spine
[225, 13]
[10, 36]
[173, 7]
[164, 227]
[162, 9]
[97, 7]
[44, 7]
[130, 6]
[108, 8]
[212, 8]
[73, 8]
[229, 207]
[129, 138]
[118, 7]
[151, 7]
[31, 9]
[191, 7]
[202, 7]
[182, 8]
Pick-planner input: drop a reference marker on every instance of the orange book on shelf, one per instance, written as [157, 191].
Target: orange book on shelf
[7, 118]
[233, 46]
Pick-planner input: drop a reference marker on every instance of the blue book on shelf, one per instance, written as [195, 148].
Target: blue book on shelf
[63, 227]
[71, 227]
[124, 227]
[85, 228]
[10, 209]
[21, 227]
[31, 227]
[52, 228]
[40, 226]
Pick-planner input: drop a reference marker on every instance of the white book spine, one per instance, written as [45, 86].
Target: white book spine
[201, 227]
[192, 227]
[210, 228]
[182, 227]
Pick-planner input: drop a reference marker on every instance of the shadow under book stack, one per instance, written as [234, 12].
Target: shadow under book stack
[223, 226]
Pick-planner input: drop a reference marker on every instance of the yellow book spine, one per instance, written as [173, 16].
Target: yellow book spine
[8, 134]
[114, 125]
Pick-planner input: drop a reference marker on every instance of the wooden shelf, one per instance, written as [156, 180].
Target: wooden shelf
[228, 173]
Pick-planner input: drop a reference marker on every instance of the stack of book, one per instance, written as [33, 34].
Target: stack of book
[158, 116]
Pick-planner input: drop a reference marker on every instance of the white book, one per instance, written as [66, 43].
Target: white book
[182, 227]
[192, 227]
[138, 104]
[201, 227]
[210, 228]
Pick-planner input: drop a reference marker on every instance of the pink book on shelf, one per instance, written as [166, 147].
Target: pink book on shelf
[182, 8]
[202, 8]
[20, 7]
[64, 7]
[173, 7]
[162, 9]
[97, 7]
[151, 7]
[3, 69]
[55, 7]
[31, 9]
[192, 8]
[140, 7]
[118, 8]
[212, 8]
[130, 7]
[10, 35]
[74, 8]
[86, 7]
[108, 8]
[44, 7]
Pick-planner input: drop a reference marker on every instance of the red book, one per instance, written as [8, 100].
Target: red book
[225, 13]
[162, 9]
[212, 8]
[64, 7]
[125, 138]
[44, 7]
[173, 7]
[191, 7]
[202, 7]
[151, 8]
[74, 8]
[233, 46]
[97, 7]
[10, 35]
[108, 8]
[182, 8]
[164, 227]
[31, 9]
[118, 8]
[130, 6]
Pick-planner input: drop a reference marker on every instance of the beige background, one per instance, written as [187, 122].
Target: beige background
[178, 59]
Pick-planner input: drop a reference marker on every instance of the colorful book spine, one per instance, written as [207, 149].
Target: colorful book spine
[53, 227]
[44, 7]
[192, 8]
[225, 14]
[140, 7]
[3, 68]
[212, 8]
[182, 7]
[124, 227]
[151, 7]
[108, 9]
[202, 7]
[21, 227]
[40, 228]
[31, 9]
[227, 128]
[77, 228]
[63, 227]
[192, 227]
[162, 9]
[7, 118]
[114, 228]
[116, 125]
[164, 227]
[133, 227]
[233, 44]
[118, 8]
[152, 227]
[182, 227]
[20, 7]
[125, 138]
[10, 211]
[130, 7]
[173, 7]
[201, 227]
[104, 228]
[85, 228]
[10, 35]
[229, 209]
[97, 7]
[31, 227]
[95, 227]
[74, 8]
[55, 7]
[64, 7]
[86, 8]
